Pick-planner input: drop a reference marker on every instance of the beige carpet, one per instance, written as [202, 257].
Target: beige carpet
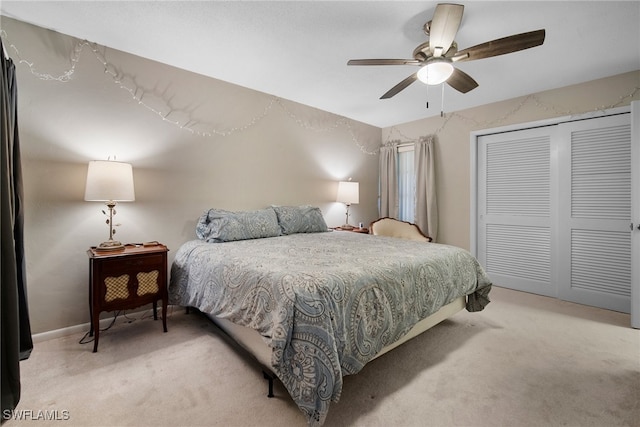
[524, 361]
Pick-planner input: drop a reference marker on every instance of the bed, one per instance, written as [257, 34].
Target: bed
[315, 305]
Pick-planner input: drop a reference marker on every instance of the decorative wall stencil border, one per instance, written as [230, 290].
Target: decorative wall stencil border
[500, 120]
[138, 94]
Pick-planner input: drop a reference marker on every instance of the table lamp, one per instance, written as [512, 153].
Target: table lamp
[348, 193]
[110, 182]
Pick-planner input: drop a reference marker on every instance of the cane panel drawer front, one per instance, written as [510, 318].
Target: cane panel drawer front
[133, 280]
[147, 283]
[116, 288]
[126, 280]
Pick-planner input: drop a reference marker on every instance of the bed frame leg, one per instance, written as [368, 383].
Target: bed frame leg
[270, 379]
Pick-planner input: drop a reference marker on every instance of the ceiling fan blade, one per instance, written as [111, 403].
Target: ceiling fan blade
[502, 46]
[383, 62]
[444, 27]
[400, 86]
[461, 81]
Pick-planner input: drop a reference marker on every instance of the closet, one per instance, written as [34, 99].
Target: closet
[552, 208]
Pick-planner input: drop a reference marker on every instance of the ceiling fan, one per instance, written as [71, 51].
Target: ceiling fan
[437, 56]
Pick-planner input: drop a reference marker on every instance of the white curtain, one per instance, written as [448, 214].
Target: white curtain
[426, 206]
[406, 184]
[389, 181]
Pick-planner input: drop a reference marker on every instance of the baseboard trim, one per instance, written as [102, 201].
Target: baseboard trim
[77, 329]
[69, 330]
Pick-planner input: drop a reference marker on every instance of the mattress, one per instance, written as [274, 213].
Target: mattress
[324, 303]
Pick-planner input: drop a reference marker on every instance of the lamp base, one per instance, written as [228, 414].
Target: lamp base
[347, 227]
[110, 245]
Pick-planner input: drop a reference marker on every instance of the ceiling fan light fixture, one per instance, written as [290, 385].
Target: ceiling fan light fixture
[436, 71]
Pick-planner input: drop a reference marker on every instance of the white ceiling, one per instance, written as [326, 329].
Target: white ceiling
[298, 50]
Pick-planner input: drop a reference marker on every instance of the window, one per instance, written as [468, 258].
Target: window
[406, 184]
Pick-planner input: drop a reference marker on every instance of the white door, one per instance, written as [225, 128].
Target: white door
[595, 212]
[515, 217]
[558, 210]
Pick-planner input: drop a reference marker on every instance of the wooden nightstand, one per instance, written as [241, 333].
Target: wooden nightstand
[355, 229]
[361, 230]
[127, 279]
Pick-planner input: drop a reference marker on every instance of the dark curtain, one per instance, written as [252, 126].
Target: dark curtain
[16, 330]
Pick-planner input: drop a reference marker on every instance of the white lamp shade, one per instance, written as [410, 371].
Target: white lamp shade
[348, 192]
[435, 72]
[109, 181]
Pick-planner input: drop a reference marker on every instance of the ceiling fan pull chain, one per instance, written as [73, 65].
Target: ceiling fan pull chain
[427, 96]
[442, 104]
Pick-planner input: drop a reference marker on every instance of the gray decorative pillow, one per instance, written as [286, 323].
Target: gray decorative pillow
[300, 219]
[217, 225]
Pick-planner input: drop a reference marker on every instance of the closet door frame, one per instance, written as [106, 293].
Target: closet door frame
[635, 215]
[474, 206]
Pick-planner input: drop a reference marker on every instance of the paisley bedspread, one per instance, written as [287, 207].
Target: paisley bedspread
[326, 303]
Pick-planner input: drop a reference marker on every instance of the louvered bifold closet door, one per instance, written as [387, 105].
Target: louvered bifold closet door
[595, 212]
[515, 215]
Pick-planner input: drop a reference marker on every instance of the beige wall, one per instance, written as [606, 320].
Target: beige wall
[292, 155]
[453, 136]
